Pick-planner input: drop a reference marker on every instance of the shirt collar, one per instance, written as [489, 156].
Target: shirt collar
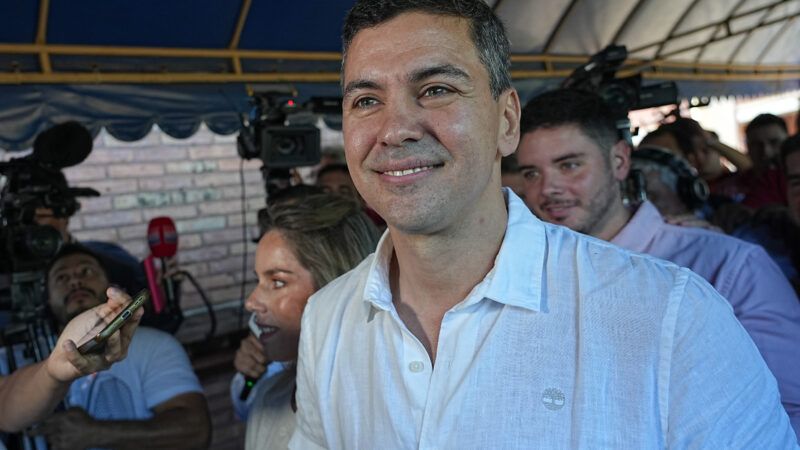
[515, 279]
[640, 230]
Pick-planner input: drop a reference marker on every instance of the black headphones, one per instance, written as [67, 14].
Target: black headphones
[692, 189]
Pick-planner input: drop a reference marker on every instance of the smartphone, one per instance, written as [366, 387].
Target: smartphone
[97, 343]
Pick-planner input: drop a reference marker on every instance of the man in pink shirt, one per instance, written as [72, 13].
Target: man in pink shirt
[574, 162]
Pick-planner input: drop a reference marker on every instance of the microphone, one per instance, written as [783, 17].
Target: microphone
[250, 382]
[153, 284]
[162, 237]
[63, 145]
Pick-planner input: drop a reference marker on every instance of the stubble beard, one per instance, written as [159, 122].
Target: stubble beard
[601, 209]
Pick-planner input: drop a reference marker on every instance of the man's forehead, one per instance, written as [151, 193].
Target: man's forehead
[407, 32]
[75, 259]
[404, 23]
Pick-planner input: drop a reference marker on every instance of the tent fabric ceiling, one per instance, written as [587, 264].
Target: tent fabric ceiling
[711, 47]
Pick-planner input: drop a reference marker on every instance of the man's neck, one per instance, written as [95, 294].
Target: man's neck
[615, 222]
[431, 273]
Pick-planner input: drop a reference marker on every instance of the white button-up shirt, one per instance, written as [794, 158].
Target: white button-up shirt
[568, 342]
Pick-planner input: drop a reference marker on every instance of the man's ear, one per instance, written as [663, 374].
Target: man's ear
[621, 160]
[508, 134]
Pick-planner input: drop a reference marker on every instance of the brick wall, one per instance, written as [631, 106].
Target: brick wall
[196, 181]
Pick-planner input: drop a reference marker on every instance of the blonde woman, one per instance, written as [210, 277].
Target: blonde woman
[307, 244]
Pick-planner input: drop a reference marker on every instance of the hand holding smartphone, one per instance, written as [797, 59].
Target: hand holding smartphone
[97, 343]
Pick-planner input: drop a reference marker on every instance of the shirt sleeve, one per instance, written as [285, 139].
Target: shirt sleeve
[720, 392]
[309, 432]
[768, 308]
[168, 370]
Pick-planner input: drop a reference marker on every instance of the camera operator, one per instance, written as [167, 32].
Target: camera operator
[30, 393]
[73, 138]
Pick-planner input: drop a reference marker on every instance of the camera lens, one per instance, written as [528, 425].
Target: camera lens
[286, 145]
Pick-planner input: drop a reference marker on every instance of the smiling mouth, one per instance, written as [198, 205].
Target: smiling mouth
[267, 332]
[405, 172]
[558, 209]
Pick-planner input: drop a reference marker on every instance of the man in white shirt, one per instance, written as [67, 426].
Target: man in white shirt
[477, 326]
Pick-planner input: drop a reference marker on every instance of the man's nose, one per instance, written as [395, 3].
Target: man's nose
[75, 281]
[551, 183]
[401, 121]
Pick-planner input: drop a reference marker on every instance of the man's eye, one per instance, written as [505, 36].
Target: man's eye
[61, 279]
[435, 91]
[365, 102]
[277, 284]
[530, 174]
[570, 165]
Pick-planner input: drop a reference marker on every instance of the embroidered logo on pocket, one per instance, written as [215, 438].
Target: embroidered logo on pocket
[553, 399]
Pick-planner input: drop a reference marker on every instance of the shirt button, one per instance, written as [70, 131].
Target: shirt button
[416, 366]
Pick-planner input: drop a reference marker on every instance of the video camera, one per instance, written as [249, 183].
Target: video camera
[32, 182]
[622, 95]
[281, 132]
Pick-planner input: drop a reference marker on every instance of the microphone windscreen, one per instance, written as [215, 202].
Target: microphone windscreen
[63, 145]
[162, 237]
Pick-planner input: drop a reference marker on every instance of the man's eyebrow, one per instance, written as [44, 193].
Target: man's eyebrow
[359, 84]
[568, 156]
[447, 70]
